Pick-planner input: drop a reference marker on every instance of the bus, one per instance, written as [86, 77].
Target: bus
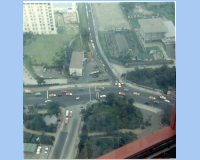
[67, 113]
[70, 113]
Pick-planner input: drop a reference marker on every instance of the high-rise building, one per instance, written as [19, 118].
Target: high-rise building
[38, 18]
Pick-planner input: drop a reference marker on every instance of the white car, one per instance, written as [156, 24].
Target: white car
[119, 85]
[166, 101]
[162, 97]
[48, 101]
[102, 96]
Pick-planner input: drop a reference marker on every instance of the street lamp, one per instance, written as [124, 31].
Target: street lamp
[38, 139]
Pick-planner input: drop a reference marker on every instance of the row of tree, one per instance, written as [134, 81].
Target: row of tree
[160, 78]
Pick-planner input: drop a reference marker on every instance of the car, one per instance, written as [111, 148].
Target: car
[162, 97]
[97, 90]
[136, 93]
[166, 101]
[120, 81]
[156, 102]
[63, 91]
[68, 94]
[60, 95]
[116, 84]
[106, 70]
[102, 96]
[122, 93]
[95, 76]
[46, 101]
[91, 40]
[52, 95]
[79, 98]
[147, 103]
[119, 85]
[125, 89]
[81, 89]
[151, 97]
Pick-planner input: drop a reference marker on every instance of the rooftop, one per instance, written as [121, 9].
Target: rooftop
[171, 29]
[152, 25]
[62, 5]
[145, 56]
[134, 13]
[50, 119]
[77, 60]
[29, 147]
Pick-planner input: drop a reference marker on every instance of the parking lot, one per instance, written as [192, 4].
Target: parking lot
[49, 73]
[43, 153]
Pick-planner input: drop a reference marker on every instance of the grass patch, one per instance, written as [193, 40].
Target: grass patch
[139, 47]
[82, 15]
[103, 43]
[134, 22]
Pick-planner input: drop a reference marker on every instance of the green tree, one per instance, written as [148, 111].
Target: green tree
[40, 80]
[53, 108]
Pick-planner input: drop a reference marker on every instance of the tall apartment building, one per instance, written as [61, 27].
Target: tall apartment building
[38, 18]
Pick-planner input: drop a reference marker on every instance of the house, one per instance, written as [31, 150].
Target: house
[76, 64]
[145, 57]
[152, 29]
[170, 34]
[50, 119]
[134, 14]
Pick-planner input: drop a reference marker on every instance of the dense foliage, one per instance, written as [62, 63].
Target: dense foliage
[93, 147]
[108, 117]
[36, 122]
[43, 139]
[161, 78]
[167, 115]
[28, 38]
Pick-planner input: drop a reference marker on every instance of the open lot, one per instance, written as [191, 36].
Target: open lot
[109, 16]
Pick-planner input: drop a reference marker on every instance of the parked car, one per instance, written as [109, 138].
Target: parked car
[156, 102]
[68, 94]
[162, 97]
[125, 89]
[102, 96]
[136, 93]
[151, 97]
[81, 89]
[79, 98]
[166, 101]
[147, 103]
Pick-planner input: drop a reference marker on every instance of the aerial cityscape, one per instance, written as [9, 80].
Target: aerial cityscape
[99, 78]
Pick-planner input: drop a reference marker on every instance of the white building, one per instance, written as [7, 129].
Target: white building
[38, 18]
[76, 64]
[170, 35]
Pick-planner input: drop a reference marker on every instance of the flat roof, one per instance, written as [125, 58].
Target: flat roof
[171, 29]
[29, 147]
[62, 5]
[50, 119]
[152, 25]
[77, 60]
[140, 144]
[145, 55]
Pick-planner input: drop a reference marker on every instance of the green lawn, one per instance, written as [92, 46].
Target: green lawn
[82, 15]
[134, 22]
[103, 43]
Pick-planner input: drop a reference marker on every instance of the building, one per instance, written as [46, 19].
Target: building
[134, 14]
[145, 57]
[65, 7]
[50, 119]
[152, 29]
[38, 18]
[76, 64]
[170, 35]
[29, 147]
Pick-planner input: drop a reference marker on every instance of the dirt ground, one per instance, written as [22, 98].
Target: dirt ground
[109, 16]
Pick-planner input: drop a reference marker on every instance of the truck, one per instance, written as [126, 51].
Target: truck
[101, 88]
[66, 120]
[38, 94]
[67, 113]
[70, 113]
[28, 91]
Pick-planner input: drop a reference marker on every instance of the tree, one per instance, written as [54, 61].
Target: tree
[40, 80]
[53, 108]
[85, 35]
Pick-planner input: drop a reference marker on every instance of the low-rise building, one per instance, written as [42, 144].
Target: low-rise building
[170, 35]
[134, 14]
[76, 64]
[145, 57]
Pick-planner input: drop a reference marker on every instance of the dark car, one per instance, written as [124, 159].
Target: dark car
[95, 76]
[60, 95]
[81, 89]
[147, 103]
